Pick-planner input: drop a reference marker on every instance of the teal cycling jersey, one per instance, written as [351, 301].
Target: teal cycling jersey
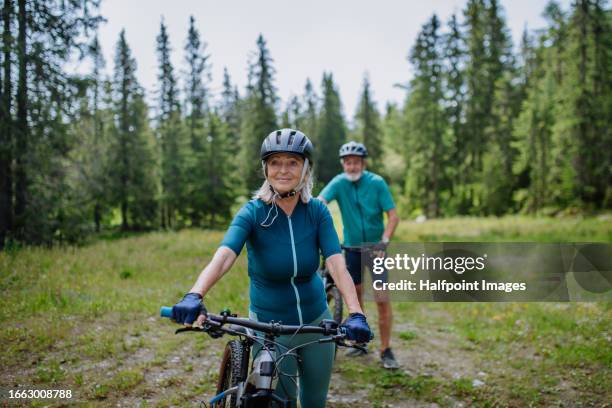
[362, 204]
[283, 258]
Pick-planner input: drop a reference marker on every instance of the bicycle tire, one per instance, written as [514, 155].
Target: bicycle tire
[233, 369]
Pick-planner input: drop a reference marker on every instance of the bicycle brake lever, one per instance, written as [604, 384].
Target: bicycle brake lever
[356, 346]
[213, 329]
[332, 339]
[186, 329]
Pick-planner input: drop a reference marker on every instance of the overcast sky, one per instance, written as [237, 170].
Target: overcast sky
[305, 38]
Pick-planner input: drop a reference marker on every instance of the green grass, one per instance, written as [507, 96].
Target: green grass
[86, 319]
[508, 229]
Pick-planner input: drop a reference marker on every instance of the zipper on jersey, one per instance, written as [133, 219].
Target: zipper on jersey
[297, 295]
[363, 239]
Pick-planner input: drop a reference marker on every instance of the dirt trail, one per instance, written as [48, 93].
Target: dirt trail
[433, 354]
[187, 374]
[182, 371]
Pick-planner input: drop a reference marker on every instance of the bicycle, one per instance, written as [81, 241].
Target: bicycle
[255, 389]
[332, 293]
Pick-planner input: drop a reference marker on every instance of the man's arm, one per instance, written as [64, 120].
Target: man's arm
[328, 194]
[392, 221]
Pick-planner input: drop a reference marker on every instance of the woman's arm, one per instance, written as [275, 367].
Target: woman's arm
[191, 307]
[337, 269]
[222, 261]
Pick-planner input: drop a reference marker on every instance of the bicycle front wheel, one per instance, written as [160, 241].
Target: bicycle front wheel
[233, 370]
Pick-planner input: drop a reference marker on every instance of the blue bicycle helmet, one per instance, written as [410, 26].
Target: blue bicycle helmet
[353, 149]
[287, 141]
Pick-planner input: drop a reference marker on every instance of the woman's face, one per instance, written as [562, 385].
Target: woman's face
[284, 171]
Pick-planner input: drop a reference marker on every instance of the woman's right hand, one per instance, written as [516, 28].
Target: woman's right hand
[189, 309]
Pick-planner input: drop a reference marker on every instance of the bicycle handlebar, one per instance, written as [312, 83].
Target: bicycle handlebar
[271, 328]
[165, 311]
[357, 248]
[328, 328]
[370, 247]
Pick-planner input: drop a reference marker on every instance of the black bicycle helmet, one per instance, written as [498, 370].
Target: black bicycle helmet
[287, 141]
[353, 149]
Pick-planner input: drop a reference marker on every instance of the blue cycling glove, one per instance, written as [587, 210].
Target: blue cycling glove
[357, 328]
[187, 310]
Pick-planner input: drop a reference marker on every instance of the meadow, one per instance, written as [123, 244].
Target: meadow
[86, 319]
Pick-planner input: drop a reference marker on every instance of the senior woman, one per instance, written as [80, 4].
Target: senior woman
[285, 229]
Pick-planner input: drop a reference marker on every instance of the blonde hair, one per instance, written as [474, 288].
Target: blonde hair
[266, 194]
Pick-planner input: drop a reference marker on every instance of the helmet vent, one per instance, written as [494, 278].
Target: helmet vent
[278, 136]
[291, 137]
[303, 142]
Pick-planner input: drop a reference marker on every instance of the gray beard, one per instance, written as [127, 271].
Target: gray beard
[354, 177]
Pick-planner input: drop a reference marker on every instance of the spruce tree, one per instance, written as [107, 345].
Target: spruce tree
[133, 176]
[489, 58]
[533, 166]
[171, 136]
[394, 149]
[584, 110]
[91, 129]
[230, 108]
[259, 115]
[477, 105]
[367, 120]
[220, 170]
[197, 80]
[331, 131]
[6, 124]
[427, 124]
[454, 97]
[537, 174]
[100, 143]
[308, 122]
[41, 38]
[22, 130]
[498, 180]
[292, 115]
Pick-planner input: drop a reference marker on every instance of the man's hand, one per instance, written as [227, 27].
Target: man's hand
[380, 249]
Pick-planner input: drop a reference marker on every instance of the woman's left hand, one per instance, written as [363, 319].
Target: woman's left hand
[357, 328]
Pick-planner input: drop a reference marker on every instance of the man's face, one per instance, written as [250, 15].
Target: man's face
[353, 167]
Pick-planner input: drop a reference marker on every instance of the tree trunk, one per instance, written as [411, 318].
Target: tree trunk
[581, 106]
[22, 134]
[6, 127]
[124, 209]
[97, 216]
